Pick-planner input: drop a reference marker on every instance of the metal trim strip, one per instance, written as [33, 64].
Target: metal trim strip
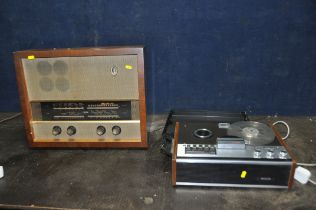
[229, 185]
[234, 162]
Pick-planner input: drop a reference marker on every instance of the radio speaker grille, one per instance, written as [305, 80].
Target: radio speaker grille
[82, 78]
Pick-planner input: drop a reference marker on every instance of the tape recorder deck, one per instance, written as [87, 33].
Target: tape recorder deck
[227, 150]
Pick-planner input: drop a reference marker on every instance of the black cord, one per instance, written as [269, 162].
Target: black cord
[10, 118]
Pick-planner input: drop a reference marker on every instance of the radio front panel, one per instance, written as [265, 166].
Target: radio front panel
[92, 131]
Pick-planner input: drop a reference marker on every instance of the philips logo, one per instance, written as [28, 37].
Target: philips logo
[265, 178]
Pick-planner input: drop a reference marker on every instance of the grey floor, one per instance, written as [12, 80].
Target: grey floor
[132, 179]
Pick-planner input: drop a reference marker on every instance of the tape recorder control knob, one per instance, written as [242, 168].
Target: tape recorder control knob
[270, 154]
[101, 130]
[283, 154]
[56, 130]
[116, 130]
[257, 153]
[71, 130]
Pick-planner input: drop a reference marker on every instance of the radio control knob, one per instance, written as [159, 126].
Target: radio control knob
[116, 130]
[101, 130]
[71, 130]
[56, 130]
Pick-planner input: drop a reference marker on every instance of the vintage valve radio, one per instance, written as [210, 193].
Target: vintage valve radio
[85, 97]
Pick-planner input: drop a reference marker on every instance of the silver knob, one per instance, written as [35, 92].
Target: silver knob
[56, 130]
[116, 130]
[101, 130]
[71, 130]
[257, 153]
[283, 154]
[270, 154]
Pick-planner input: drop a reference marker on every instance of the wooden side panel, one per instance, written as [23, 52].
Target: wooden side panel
[282, 142]
[80, 52]
[174, 154]
[142, 98]
[24, 101]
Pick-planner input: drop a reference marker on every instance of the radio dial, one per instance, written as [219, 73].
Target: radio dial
[116, 130]
[101, 130]
[56, 130]
[71, 130]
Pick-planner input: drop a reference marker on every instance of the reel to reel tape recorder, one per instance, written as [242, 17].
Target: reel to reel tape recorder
[226, 150]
